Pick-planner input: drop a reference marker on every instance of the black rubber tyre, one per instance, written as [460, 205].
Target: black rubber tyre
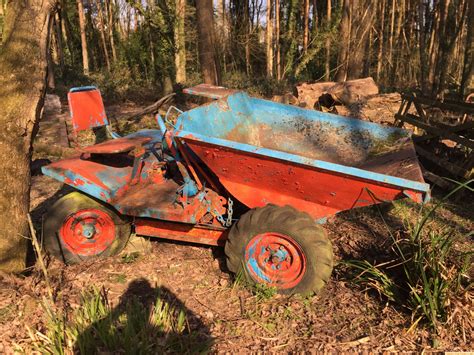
[108, 233]
[292, 226]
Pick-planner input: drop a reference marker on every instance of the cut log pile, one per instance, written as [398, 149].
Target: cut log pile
[346, 93]
[358, 98]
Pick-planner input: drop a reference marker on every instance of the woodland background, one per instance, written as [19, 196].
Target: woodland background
[129, 46]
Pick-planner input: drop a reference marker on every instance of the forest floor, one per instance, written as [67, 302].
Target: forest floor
[222, 314]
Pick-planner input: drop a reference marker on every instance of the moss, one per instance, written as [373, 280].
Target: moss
[387, 145]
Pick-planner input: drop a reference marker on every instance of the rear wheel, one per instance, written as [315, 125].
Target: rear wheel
[280, 247]
[78, 228]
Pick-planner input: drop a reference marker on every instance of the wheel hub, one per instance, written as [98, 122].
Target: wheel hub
[87, 232]
[276, 260]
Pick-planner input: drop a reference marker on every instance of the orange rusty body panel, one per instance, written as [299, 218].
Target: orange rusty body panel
[257, 182]
[181, 232]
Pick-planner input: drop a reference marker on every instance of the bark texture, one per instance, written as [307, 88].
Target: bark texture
[23, 68]
[269, 48]
[102, 33]
[111, 25]
[305, 25]
[362, 15]
[468, 64]
[327, 65]
[207, 57]
[82, 25]
[277, 39]
[180, 38]
[357, 20]
[345, 35]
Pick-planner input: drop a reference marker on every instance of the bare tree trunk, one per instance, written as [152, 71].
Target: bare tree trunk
[291, 35]
[345, 35]
[269, 39]
[102, 33]
[434, 46]
[137, 20]
[152, 51]
[327, 66]
[315, 15]
[306, 26]
[111, 18]
[395, 58]
[223, 34]
[451, 28]
[66, 30]
[121, 22]
[277, 38]
[180, 56]
[380, 40]
[82, 26]
[51, 83]
[207, 57]
[468, 63]
[362, 14]
[129, 21]
[59, 40]
[368, 54]
[391, 34]
[248, 66]
[2, 15]
[94, 60]
[23, 66]
[423, 11]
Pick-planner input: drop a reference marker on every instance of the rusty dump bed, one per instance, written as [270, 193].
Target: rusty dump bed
[240, 128]
[311, 134]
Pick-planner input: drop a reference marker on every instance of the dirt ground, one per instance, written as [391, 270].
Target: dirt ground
[225, 314]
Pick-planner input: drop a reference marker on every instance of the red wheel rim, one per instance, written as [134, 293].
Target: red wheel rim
[276, 260]
[87, 232]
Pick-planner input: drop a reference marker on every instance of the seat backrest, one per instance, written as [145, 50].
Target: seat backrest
[86, 108]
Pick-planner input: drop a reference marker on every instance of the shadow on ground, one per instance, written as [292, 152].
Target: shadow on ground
[147, 320]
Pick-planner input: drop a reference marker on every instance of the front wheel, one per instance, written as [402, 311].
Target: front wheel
[280, 247]
[78, 228]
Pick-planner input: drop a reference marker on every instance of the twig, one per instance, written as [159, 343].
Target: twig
[243, 313]
[357, 342]
[40, 259]
[149, 109]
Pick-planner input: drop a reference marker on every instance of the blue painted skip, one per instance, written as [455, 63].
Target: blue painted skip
[240, 110]
[227, 123]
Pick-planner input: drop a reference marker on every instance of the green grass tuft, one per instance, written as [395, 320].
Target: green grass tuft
[131, 327]
[424, 274]
[261, 291]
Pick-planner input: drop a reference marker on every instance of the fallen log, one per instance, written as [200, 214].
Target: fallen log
[153, 108]
[309, 94]
[345, 93]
